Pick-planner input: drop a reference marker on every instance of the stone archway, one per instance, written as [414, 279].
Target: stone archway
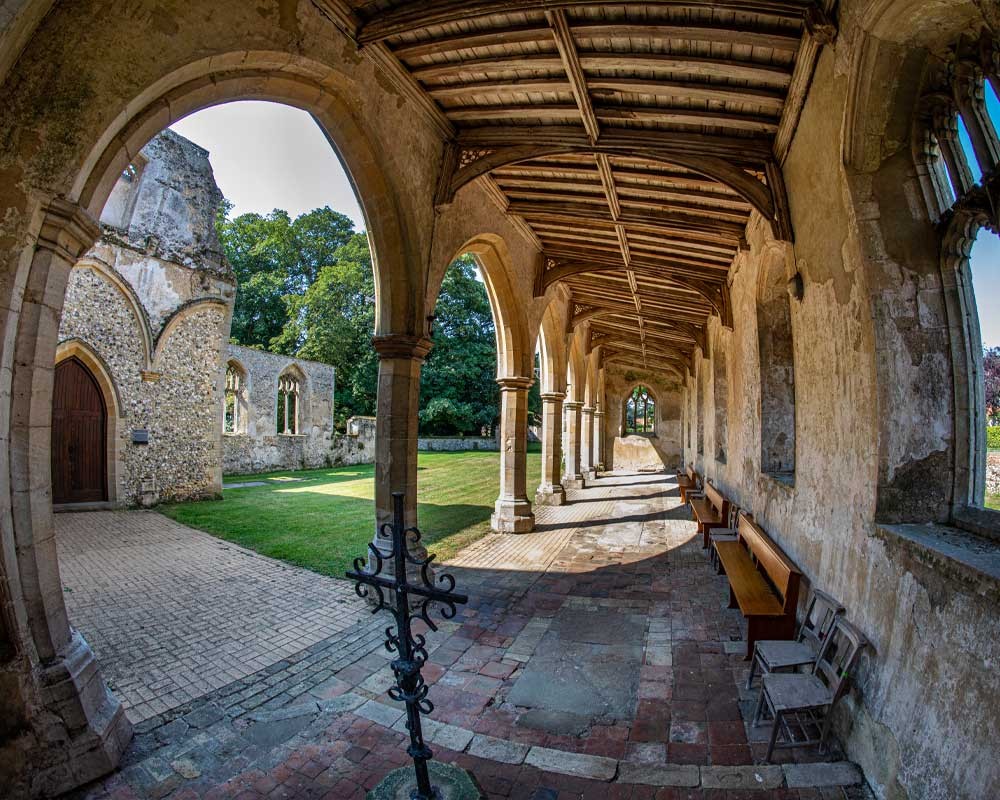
[60, 231]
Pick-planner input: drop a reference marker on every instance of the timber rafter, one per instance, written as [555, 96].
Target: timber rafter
[632, 142]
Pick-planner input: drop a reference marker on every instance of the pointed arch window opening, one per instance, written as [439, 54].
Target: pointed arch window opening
[288, 405]
[640, 413]
[234, 410]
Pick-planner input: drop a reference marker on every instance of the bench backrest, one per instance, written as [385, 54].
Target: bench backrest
[693, 476]
[770, 560]
[717, 499]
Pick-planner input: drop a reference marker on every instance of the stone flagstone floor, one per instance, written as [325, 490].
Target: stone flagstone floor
[596, 658]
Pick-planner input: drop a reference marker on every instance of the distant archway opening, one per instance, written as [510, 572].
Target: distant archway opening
[640, 412]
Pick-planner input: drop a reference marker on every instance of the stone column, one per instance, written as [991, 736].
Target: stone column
[550, 490]
[587, 442]
[512, 513]
[599, 440]
[573, 478]
[80, 728]
[400, 358]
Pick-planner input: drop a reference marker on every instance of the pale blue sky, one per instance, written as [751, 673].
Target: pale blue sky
[268, 156]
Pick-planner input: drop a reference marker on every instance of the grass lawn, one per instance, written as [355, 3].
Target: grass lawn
[326, 518]
[993, 501]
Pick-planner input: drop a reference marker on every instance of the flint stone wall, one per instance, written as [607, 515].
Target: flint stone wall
[258, 447]
[993, 473]
[148, 310]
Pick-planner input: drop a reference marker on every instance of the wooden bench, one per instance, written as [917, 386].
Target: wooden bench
[711, 510]
[689, 481]
[763, 583]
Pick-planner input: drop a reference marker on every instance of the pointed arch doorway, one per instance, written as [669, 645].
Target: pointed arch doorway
[79, 436]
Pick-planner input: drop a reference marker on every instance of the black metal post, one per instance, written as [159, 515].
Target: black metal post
[410, 687]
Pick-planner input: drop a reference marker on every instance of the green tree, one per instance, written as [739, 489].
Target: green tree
[333, 320]
[274, 257]
[458, 389]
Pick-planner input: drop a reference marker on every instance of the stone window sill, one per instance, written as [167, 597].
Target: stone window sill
[783, 480]
[969, 558]
[292, 435]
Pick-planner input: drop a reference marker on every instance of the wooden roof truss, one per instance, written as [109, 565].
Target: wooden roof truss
[632, 141]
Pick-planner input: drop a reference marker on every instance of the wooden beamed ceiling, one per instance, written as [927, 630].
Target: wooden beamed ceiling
[632, 140]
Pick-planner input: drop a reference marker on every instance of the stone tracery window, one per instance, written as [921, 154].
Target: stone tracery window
[288, 404]
[234, 409]
[957, 155]
[640, 412]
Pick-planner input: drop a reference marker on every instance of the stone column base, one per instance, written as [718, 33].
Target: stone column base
[573, 482]
[512, 516]
[551, 496]
[589, 475]
[98, 731]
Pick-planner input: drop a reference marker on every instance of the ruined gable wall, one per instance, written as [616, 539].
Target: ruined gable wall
[153, 300]
[923, 713]
[260, 448]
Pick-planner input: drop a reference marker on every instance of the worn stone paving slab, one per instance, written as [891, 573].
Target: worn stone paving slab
[318, 723]
[173, 613]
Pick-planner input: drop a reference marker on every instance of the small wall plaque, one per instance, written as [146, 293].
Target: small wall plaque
[140, 436]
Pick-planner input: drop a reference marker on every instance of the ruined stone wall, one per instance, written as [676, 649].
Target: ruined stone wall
[150, 307]
[923, 707]
[993, 473]
[454, 444]
[258, 447]
[357, 445]
[637, 452]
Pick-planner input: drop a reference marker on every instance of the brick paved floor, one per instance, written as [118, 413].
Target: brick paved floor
[173, 613]
[616, 580]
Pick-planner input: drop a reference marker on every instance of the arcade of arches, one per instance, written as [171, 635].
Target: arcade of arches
[758, 210]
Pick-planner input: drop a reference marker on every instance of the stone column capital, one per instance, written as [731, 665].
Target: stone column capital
[553, 397]
[572, 405]
[401, 345]
[599, 413]
[515, 384]
[587, 409]
[68, 230]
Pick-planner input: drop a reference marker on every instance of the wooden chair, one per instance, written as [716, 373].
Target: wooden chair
[711, 510]
[800, 704]
[763, 583]
[774, 655]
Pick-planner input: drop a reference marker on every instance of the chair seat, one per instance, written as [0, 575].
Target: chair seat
[723, 534]
[788, 692]
[776, 654]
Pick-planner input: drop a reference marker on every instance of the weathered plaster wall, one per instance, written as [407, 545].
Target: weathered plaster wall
[923, 710]
[259, 447]
[662, 451]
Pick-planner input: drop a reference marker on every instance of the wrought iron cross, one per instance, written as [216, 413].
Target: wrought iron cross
[410, 646]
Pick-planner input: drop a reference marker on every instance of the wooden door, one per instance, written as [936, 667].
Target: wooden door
[79, 436]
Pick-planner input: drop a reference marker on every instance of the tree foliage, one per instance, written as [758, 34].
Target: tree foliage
[306, 288]
[458, 389]
[273, 257]
[991, 378]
